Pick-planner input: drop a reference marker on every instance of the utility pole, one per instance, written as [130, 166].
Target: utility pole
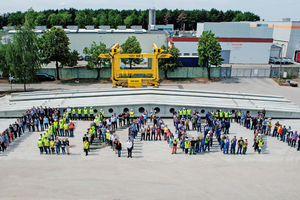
[280, 64]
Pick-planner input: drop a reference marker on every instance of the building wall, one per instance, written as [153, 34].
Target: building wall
[235, 30]
[240, 53]
[248, 53]
[80, 40]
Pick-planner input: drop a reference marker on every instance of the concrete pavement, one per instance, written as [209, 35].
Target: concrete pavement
[152, 173]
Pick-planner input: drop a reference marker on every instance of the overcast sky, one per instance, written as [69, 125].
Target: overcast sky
[270, 10]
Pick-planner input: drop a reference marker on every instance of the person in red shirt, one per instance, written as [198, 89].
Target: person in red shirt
[158, 133]
[279, 132]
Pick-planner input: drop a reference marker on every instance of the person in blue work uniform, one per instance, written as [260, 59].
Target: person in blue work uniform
[222, 141]
[233, 145]
[202, 144]
[226, 145]
[199, 124]
[218, 135]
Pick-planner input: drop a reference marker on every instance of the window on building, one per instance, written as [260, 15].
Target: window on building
[186, 54]
[194, 54]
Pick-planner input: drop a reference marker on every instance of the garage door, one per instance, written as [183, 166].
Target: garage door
[225, 55]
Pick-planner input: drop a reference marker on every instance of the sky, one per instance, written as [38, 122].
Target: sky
[269, 10]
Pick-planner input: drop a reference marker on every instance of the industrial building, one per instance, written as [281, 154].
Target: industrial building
[241, 43]
[286, 35]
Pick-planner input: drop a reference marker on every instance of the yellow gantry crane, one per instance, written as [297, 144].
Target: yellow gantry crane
[122, 76]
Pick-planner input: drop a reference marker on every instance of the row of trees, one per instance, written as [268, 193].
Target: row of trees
[124, 17]
[28, 52]
[131, 45]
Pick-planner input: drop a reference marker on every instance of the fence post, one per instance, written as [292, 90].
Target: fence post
[250, 73]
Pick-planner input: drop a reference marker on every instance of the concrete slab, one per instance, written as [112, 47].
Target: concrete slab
[152, 173]
[164, 100]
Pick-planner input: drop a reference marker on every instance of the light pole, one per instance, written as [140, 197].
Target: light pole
[280, 63]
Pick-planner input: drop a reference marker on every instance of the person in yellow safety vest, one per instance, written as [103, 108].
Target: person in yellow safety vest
[41, 145]
[186, 146]
[103, 114]
[180, 113]
[230, 116]
[44, 136]
[52, 146]
[239, 116]
[86, 147]
[260, 145]
[131, 115]
[91, 114]
[107, 139]
[46, 145]
[85, 112]
[245, 146]
[69, 111]
[79, 114]
[217, 114]
[184, 112]
[49, 132]
[221, 114]
[55, 125]
[212, 113]
[66, 128]
[226, 115]
[207, 140]
[257, 138]
[61, 128]
[73, 114]
[189, 112]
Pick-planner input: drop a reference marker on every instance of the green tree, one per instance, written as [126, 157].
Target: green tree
[23, 55]
[182, 18]
[239, 17]
[64, 18]
[54, 45]
[111, 18]
[53, 19]
[94, 62]
[72, 60]
[118, 20]
[128, 21]
[103, 19]
[169, 64]
[16, 19]
[209, 51]
[131, 45]
[80, 19]
[4, 67]
[41, 20]
[30, 17]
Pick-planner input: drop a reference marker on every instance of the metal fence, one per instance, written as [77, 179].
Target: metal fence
[246, 72]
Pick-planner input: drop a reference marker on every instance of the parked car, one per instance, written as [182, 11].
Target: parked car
[80, 57]
[274, 60]
[86, 57]
[288, 61]
[12, 79]
[45, 77]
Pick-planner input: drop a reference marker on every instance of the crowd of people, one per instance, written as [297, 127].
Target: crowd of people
[263, 126]
[102, 127]
[35, 119]
[54, 125]
[215, 124]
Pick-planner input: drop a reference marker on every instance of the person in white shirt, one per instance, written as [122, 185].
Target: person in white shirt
[129, 148]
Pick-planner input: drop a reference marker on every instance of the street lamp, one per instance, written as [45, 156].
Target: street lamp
[280, 64]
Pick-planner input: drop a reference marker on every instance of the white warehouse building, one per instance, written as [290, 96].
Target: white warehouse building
[240, 42]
